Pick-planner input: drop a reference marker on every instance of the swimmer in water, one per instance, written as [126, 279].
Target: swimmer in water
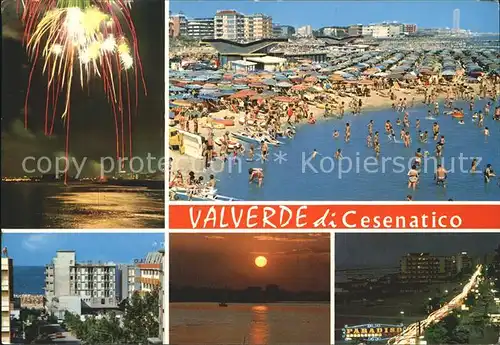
[439, 150]
[407, 139]
[377, 149]
[398, 122]
[347, 132]
[440, 175]
[263, 150]
[435, 130]
[370, 127]
[413, 177]
[473, 167]
[338, 154]
[388, 126]
[441, 141]
[488, 173]
[426, 137]
[409, 198]
[392, 136]
[251, 152]
[486, 132]
[402, 134]
[417, 124]
[376, 139]
[369, 141]
[256, 174]
[336, 134]
[461, 122]
[314, 154]
[418, 157]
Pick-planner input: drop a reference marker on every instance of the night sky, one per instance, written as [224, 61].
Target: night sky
[295, 262]
[381, 249]
[92, 122]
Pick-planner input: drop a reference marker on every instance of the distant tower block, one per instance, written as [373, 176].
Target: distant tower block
[456, 19]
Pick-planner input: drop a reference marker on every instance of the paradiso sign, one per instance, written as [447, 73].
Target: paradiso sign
[371, 332]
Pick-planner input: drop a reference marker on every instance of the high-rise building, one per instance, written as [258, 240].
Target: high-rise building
[150, 272]
[305, 31]
[419, 268]
[463, 262]
[179, 25]
[200, 28]
[258, 26]
[355, 30]
[93, 285]
[7, 298]
[283, 31]
[456, 19]
[410, 29]
[230, 25]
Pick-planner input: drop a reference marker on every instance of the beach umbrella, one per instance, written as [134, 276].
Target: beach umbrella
[210, 86]
[240, 87]
[448, 73]
[193, 86]
[284, 84]
[243, 93]
[182, 103]
[299, 87]
[269, 82]
[311, 79]
[257, 85]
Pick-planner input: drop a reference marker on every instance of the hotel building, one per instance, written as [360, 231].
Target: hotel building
[200, 28]
[230, 25]
[258, 26]
[7, 298]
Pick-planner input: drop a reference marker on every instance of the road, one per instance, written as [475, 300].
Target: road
[410, 334]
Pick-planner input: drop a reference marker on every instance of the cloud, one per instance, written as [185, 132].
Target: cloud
[35, 242]
[285, 238]
[306, 251]
[215, 237]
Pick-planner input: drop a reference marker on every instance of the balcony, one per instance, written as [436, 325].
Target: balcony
[5, 307]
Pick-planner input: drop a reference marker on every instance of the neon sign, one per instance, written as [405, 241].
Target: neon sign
[371, 332]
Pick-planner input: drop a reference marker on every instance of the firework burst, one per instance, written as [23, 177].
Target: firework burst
[83, 40]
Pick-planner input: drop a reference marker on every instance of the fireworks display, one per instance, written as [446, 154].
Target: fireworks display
[75, 41]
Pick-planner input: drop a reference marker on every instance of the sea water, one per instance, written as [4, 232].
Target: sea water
[289, 178]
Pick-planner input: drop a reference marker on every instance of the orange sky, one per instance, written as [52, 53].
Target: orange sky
[295, 261]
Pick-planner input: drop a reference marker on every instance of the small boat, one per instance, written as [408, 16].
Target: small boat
[232, 145]
[222, 304]
[255, 138]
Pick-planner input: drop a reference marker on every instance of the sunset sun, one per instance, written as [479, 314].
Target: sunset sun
[260, 261]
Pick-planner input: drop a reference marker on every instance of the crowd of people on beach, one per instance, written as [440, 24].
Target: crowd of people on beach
[276, 117]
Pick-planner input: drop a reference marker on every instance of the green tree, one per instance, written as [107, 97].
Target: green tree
[477, 322]
[141, 317]
[460, 335]
[437, 334]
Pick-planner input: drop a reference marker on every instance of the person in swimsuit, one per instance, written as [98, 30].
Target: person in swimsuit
[440, 175]
[473, 166]
[347, 132]
[336, 134]
[488, 173]
[338, 154]
[314, 154]
[409, 198]
[418, 157]
[435, 130]
[212, 181]
[370, 127]
[417, 124]
[375, 139]
[369, 141]
[263, 150]
[377, 149]
[413, 177]
[256, 174]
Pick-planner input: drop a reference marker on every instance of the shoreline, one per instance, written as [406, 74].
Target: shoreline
[375, 102]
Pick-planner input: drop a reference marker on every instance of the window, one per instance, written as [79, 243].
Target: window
[103, 301]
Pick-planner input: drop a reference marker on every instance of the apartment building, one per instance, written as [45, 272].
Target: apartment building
[150, 272]
[7, 298]
[355, 30]
[178, 25]
[258, 26]
[230, 25]
[200, 28]
[283, 31]
[427, 268]
[95, 285]
[305, 31]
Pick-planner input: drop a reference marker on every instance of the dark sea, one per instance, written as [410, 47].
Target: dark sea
[81, 206]
[29, 280]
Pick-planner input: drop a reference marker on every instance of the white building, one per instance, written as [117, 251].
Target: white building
[305, 31]
[96, 284]
[258, 26]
